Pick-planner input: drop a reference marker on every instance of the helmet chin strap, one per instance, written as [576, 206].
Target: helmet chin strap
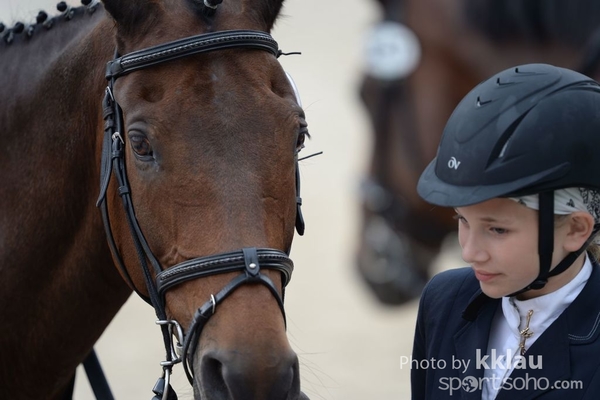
[546, 245]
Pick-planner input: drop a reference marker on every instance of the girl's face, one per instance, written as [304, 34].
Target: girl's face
[499, 238]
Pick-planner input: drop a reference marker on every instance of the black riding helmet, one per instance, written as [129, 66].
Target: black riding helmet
[531, 129]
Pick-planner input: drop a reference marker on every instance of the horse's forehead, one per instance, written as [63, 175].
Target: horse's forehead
[230, 94]
[224, 74]
[170, 20]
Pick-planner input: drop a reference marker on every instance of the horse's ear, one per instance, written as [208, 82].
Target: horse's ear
[271, 12]
[129, 14]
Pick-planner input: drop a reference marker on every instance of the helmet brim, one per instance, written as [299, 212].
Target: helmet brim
[436, 191]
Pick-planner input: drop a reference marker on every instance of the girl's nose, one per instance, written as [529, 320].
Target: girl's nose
[472, 247]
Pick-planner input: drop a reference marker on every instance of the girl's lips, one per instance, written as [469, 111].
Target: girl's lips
[484, 276]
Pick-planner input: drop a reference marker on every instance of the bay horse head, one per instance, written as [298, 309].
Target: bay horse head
[182, 112]
[203, 129]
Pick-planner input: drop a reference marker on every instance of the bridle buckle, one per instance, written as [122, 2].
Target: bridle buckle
[176, 331]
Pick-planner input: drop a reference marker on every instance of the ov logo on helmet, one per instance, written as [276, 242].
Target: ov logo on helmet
[453, 163]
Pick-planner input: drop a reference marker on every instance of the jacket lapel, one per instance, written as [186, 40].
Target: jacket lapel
[471, 341]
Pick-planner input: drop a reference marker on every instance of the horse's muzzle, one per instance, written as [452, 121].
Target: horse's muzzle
[231, 375]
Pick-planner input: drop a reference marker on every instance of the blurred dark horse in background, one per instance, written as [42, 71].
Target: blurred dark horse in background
[421, 60]
[194, 143]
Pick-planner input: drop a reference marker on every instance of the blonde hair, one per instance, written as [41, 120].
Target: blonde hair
[594, 251]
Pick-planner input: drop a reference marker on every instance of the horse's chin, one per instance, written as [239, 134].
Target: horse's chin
[199, 396]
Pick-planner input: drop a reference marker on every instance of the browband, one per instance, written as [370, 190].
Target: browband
[191, 45]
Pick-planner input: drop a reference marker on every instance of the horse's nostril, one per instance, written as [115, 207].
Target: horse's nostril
[212, 376]
[233, 375]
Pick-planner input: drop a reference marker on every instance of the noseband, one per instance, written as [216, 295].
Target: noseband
[247, 261]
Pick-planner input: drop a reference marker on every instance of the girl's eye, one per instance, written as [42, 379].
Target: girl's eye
[141, 146]
[499, 231]
[460, 219]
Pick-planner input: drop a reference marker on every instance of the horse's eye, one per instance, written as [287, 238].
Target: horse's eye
[141, 146]
[302, 135]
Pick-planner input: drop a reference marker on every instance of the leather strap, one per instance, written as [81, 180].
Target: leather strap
[223, 263]
[251, 266]
[96, 376]
[299, 217]
[192, 45]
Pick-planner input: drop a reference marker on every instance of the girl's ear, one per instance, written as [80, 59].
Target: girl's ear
[580, 228]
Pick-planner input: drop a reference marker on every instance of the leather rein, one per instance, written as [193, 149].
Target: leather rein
[248, 261]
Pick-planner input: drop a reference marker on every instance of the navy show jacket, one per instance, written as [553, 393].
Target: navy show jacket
[453, 325]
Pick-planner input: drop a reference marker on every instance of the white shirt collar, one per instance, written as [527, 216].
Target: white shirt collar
[546, 308]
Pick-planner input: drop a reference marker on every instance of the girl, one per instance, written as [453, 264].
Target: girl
[518, 162]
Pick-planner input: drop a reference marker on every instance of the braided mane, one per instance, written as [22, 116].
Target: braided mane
[22, 32]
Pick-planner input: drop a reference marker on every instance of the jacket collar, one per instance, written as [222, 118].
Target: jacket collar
[583, 316]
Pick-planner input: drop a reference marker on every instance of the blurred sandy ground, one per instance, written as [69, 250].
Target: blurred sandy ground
[349, 345]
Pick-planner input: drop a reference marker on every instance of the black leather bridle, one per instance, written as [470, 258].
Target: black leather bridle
[248, 261]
